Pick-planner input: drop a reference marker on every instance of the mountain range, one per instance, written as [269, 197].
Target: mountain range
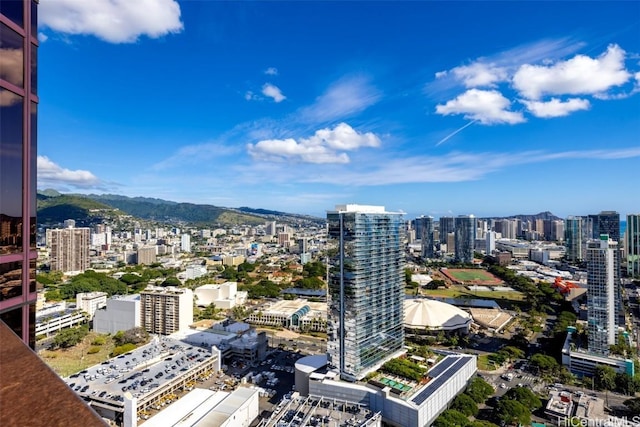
[86, 209]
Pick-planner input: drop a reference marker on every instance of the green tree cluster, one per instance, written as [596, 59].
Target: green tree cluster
[131, 336]
[69, 337]
[404, 368]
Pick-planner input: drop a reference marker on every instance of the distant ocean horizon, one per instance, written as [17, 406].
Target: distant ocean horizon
[623, 227]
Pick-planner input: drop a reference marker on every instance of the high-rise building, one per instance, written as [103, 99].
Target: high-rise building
[603, 284]
[185, 243]
[573, 238]
[465, 238]
[633, 245]
[424, 225]
[31, 393]
[490, 245]
[18, 142]
[366, 289]
[447, 225]
[69, 248]
[165, 310]
[606, 222]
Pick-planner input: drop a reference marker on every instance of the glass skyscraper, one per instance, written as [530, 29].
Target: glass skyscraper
[465, 237]
[633, 245]
[424, 225]
[18, 125]
[573, 234]
[447, 225]
[366, 289]
[603, 284]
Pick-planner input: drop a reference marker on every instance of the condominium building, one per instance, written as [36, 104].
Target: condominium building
[633, 245]
[69, 248]
[465, 238]
[573, 235]
[366, 289]
[185, 243]
[424, 225]
[147, 255]
[165, 310]
[606, 222]
[603, 284]
[447, 225]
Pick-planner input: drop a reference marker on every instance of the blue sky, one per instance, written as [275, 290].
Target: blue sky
[435, 108]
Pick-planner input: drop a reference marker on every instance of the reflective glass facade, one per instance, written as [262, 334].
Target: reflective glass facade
[425, 225]
[18, 142]
[603, 284]
[573, 238]
[633, 245]
[366, 289]
[465, 238]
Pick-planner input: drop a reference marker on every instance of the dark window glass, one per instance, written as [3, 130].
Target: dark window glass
[14, 10]
[11, 56]
[33, 185]
[10, 280]
[34, 69]
[34, 19]
[32, 326]
[32, 276]
[10, 172]
[13, 319]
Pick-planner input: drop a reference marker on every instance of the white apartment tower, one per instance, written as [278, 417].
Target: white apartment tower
[603, 283]
[185, 243]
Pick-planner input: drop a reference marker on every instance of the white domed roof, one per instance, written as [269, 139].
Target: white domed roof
[422, 313]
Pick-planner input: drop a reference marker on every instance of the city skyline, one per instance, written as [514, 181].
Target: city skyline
[502, 109]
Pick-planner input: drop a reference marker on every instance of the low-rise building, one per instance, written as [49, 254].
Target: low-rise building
[91, 301]
[121, 313]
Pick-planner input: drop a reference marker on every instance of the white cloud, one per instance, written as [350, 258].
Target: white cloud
[42, 37]
[115, 21]
[11, 65]
[52, 175]
[577, 76]
[273, 92]
[323, 147]
[478, 74]
[485, 106]
[556, 107]
[345, 98]
[271, 71]
[250, 96]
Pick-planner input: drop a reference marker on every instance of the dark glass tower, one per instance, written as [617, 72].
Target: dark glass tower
[18, 141]
[424, 224]
[366, 289]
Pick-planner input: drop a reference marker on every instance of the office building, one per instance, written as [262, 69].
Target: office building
[465, 237]
[69, 249]
[447, 225]
[603, 284]
[121, 313]
[18, 141]
[165, 310]
[366, 289]
[31, 393]
[91, 301]
[424, 225]
[633, 245]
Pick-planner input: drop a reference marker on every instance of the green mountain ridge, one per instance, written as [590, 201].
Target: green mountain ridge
[86, 209]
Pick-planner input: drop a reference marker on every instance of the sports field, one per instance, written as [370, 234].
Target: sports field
[471, 276]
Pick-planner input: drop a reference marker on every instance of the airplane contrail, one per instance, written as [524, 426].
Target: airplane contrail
[455, 132]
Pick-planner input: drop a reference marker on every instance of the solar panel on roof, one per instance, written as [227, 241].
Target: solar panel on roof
[442, 366]
[453, 367]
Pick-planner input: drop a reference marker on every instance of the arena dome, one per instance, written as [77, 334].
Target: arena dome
[432, 315]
